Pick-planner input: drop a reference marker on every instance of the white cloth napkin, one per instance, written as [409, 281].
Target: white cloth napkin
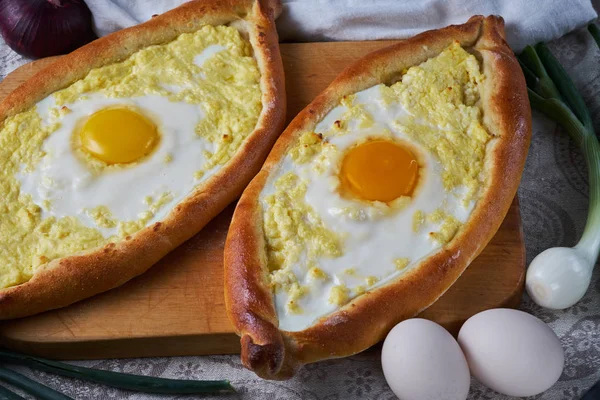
[527, 21]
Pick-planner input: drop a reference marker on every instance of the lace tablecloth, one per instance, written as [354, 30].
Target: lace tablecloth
[553, 196]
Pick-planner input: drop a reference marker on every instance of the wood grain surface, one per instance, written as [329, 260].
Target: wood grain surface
[177, 307]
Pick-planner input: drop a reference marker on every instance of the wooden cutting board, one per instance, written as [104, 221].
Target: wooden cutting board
[177, 307]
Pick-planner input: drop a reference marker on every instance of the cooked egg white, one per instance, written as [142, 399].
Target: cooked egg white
[381, 183]
[64, 185]
[119, 149]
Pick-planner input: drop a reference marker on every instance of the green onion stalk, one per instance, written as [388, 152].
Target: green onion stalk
[37, 390]
[147, 384]
[560, 276]
[6, 394]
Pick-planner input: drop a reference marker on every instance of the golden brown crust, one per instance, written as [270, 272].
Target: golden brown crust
[276, 354]
[70, 279]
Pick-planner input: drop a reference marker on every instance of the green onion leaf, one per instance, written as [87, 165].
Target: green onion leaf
[530, 58]
[119, 380]
[32, 387]
[530, 77]
[565, 85]
[559, 112]
[6, 394]
[543, 85]
[595, 31]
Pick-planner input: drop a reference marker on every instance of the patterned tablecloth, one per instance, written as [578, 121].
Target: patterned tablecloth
[553, 196]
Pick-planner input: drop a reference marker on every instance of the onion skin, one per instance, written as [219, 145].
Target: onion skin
[43, 28]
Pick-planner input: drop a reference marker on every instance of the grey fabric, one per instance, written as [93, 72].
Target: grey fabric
[553, 196]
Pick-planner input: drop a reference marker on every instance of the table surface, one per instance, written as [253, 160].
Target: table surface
[553, 196]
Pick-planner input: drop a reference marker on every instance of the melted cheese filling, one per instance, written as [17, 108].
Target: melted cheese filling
[200, 92]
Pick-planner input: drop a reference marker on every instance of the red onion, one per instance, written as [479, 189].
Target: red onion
[42, 28]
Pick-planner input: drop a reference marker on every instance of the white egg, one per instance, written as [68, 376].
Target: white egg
[512, 352]
[422, 361]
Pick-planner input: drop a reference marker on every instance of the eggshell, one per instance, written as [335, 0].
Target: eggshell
[422, 361]
[512, 352]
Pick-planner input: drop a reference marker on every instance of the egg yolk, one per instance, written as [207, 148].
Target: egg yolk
[118, 135]
[379, 170]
